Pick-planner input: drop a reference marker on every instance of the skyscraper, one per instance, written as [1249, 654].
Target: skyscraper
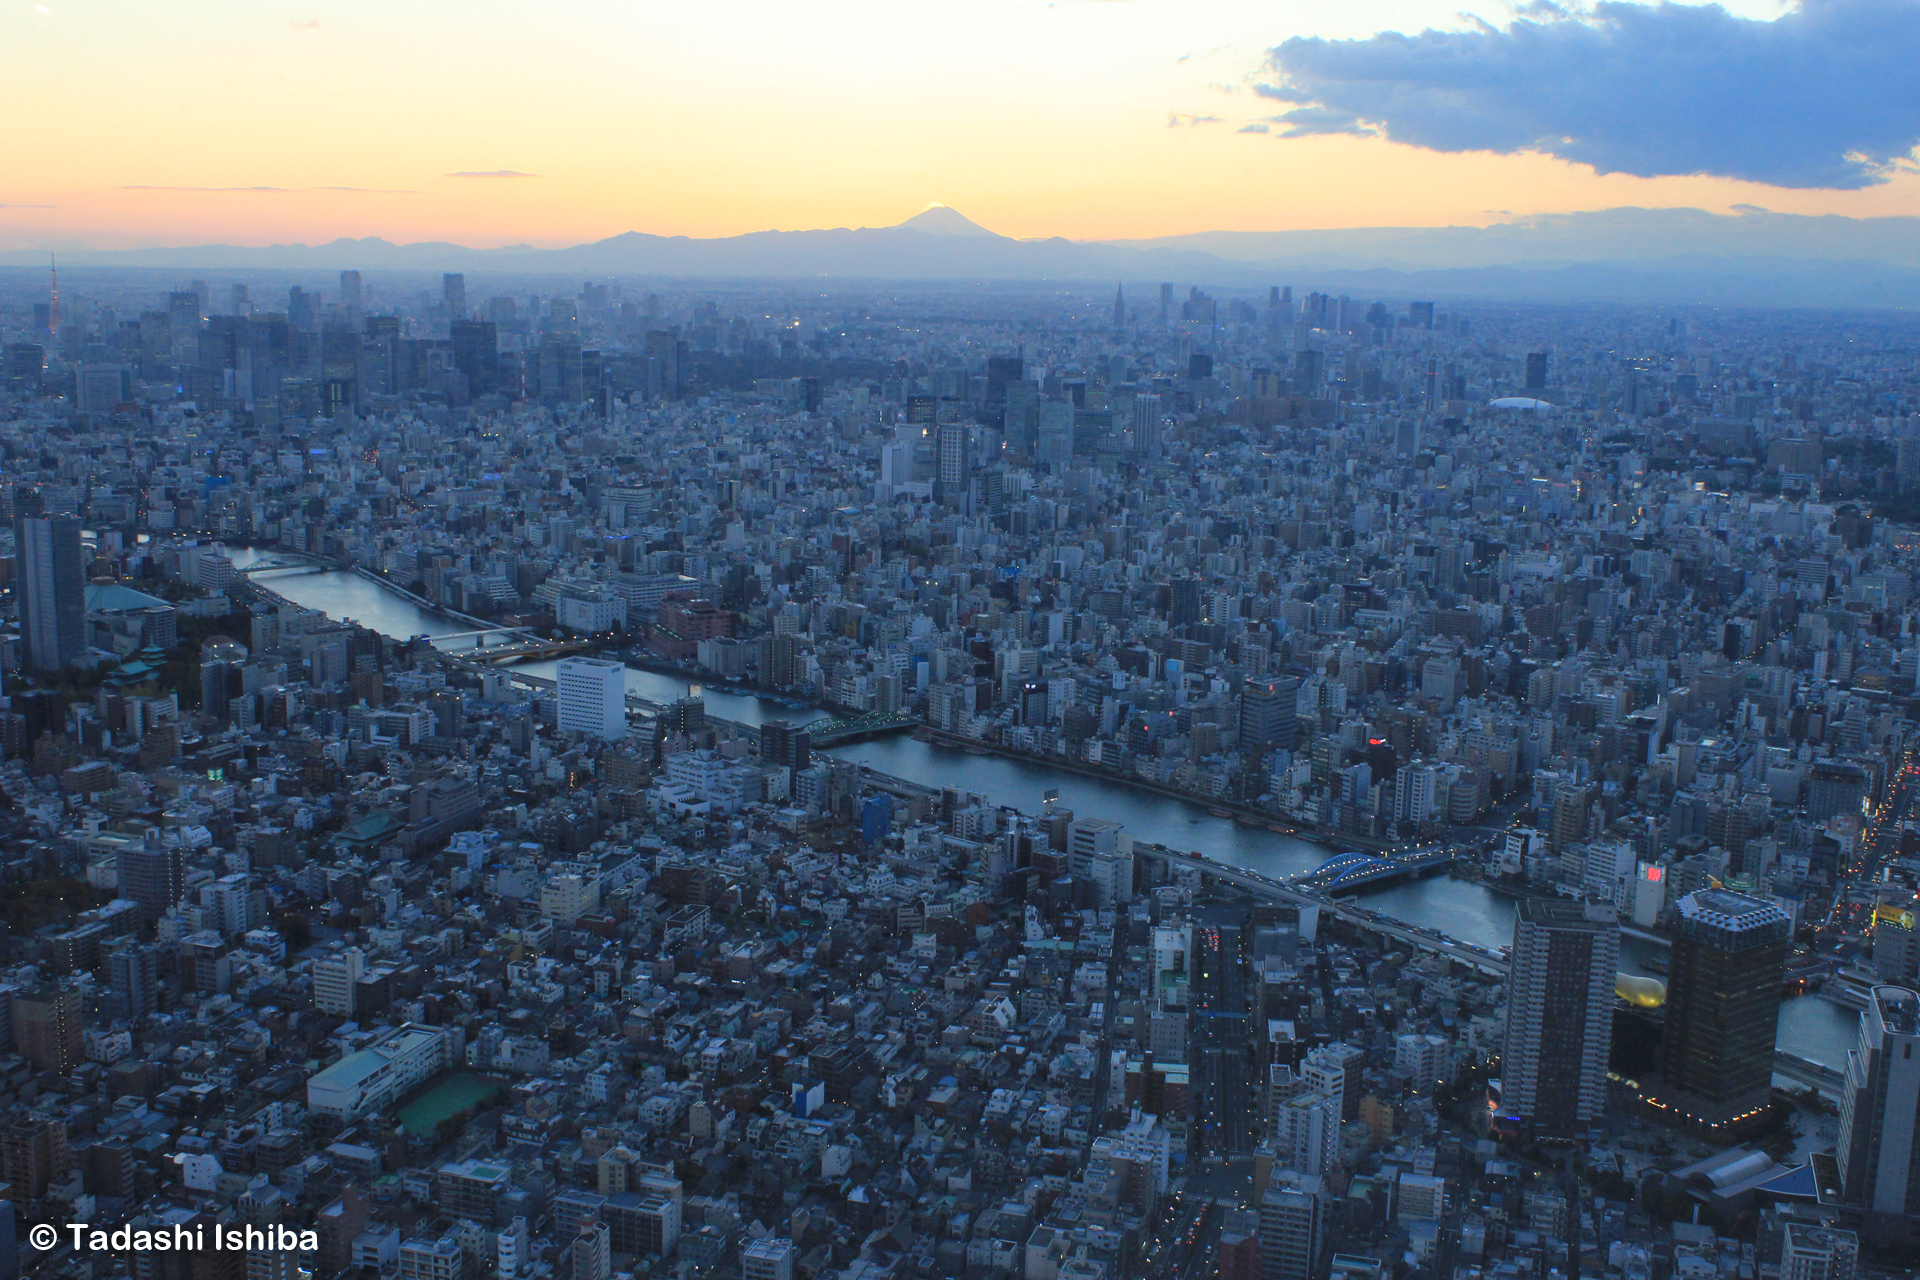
[476, 353]
[1306, 372]
[954, 463]
[350, 289]
[52, 589]
[1267, 714]
[1723, 1000]
[593, 697]
[1559, 1013]
[183, 326]
[666, 361]
[453, 295]
[1183, 602]
[1536, 371]
[1002, 371]
[1054, 434]
[340, 351]
[1879, 1155]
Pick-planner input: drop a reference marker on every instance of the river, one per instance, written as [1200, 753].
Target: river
[1810, 1026]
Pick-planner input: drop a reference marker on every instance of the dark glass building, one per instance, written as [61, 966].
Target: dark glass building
[52, 589]
[1723, 1000]
[476, 353]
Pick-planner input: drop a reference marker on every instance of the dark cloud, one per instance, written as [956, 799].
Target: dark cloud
[1824, 96]
[492, 173]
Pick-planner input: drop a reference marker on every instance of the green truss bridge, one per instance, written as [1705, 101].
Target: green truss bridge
[834, 732]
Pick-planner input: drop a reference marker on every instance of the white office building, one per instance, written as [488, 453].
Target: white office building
[593, 697]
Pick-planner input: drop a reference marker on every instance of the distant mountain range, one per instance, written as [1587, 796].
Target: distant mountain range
[1753, 257]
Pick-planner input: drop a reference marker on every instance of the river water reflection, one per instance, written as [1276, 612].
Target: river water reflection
[1810, 1026]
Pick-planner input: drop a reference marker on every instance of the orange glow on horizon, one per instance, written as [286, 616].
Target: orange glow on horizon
[162, 122]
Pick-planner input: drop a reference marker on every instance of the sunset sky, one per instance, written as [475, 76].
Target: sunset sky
[159, 122]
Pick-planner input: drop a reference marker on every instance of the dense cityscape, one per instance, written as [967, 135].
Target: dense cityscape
[554, 779]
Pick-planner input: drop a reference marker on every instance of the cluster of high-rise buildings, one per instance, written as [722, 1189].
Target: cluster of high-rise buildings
[478, 968]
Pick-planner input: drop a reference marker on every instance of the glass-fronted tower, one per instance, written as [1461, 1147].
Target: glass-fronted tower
[1723, 1001]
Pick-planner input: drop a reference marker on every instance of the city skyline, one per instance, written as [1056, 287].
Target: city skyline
[1031, 640]
[821, 737]
[1078, 119]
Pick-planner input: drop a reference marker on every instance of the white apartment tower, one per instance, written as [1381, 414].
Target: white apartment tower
[593, 697]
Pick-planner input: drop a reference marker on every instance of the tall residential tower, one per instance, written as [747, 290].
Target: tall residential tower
[1559, 1014]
